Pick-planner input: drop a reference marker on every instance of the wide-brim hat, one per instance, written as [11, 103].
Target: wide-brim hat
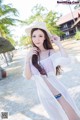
[41, 25]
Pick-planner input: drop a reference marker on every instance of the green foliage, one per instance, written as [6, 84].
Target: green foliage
[51, 19]
[7, 14]
[8, 9]
[39, 10]
[39, 13]
[25, 40]
[77, 36]
[10, 39]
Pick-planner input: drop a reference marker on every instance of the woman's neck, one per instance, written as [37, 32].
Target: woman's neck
[42, 49]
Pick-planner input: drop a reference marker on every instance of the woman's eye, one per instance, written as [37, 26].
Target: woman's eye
[34, 36]
[40, 36]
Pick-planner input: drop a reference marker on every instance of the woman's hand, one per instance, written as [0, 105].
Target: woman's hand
[55, 39]
[32, 51]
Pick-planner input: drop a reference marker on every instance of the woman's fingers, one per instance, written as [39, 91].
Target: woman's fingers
[55, 37]
[35, 49]
[34, 52]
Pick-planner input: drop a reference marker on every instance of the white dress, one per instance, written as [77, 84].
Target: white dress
[50, 103]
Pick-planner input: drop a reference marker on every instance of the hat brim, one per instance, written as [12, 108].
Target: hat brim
[29, 28]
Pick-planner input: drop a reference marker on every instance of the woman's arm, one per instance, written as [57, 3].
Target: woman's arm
[62, 50]
[56, 40]
[27, 70]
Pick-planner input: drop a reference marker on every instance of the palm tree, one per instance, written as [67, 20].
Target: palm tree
[8, 16]
[6, 11]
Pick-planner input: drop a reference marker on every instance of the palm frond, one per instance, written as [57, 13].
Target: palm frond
[9, 10]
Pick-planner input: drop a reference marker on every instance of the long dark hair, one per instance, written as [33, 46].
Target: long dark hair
[47, 45]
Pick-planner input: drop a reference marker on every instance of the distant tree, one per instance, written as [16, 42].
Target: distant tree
[8, 16]
[11, 40]
[25, 40]
[51, 19]
[77, 35]
[38, 14]
[6, 11]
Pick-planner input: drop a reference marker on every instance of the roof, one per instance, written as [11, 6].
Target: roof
[68, 17]
[78, 21]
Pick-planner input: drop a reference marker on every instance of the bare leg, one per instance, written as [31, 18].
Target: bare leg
[68, 109]
[65, 105]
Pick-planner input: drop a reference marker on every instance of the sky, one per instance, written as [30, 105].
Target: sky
[24, 7]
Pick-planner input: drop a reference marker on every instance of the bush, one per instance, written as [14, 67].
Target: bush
[3, 73]
[77, 36]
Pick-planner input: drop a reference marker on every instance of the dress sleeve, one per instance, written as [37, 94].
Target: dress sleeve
[58, 59]
[34, 71]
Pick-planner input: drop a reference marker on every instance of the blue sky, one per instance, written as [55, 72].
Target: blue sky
[24, 7]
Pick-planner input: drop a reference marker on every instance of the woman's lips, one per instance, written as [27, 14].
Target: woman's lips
[37, 43]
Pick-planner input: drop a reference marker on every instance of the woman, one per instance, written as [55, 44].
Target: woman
[43, 64]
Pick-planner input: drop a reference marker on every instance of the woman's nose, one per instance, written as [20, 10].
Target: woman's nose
[37, 38]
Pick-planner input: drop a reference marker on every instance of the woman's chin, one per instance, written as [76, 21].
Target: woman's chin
[38, 45]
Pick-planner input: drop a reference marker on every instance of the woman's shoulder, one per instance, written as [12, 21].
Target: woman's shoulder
[52, 51]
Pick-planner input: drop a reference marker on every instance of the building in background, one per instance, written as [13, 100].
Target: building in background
[69, 24]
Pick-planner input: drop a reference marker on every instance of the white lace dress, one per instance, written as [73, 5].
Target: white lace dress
[45, 84]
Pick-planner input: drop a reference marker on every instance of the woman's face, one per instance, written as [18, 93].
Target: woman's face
[38, 38]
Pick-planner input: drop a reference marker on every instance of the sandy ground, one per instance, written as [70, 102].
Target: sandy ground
[19, 97]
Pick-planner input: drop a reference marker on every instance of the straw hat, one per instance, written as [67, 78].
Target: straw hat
[40, 25]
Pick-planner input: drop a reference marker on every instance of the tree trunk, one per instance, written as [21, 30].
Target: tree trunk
[9, 56]
[5, 58]
[0, 74]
